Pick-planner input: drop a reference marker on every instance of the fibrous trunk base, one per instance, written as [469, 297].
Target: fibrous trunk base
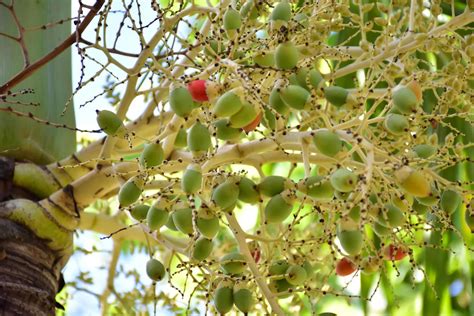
[29, 272]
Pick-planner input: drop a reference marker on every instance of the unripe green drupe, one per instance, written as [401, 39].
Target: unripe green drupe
[225, 194]
[192, 179]
[155, 270]
[277, 209]
[199, 138]
[181, 101]
[286, 55]
[152, 155]
[130, 191]
[109, 122]
[327, 142]
[343, 180]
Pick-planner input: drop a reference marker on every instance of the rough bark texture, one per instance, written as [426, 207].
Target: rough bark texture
[29, 270]
[28, 273]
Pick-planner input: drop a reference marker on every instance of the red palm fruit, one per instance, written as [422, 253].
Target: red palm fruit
[254, 251]
[202, 90]
[345, 267]
[197, 88]
[392, 252]
[250, 127]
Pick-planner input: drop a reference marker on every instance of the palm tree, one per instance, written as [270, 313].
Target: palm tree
[45, 184]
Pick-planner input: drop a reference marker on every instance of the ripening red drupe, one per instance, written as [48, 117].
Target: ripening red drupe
[198, 91]
[345, 267]
[250, 127]
[392, 252]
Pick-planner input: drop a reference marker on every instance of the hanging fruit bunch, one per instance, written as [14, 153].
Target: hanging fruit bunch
[277, 82]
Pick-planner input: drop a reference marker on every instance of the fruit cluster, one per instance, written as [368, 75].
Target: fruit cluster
[372, 164]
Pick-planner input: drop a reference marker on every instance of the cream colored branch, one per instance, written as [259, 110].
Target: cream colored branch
[78, 164]
[109, 287]
[259, 279]
[411, 19]
[405, 44]
[305, 156]
[107, 225]
[98, 183]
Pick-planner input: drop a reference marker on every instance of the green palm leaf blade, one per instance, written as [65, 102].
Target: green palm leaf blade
[21, 137]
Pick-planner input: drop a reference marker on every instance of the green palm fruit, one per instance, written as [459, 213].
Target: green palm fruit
[315, 78]
[155, 270]
[450, 201]
[343, 180]
[110, 123]
[181, 101]
[299, 78]
[225, 194]
[265, 59]
[381, 230]
[202, 248]
[413, 181]
[337, 96]
[281, 12]
[407, 98]
[156, 217]
[192, 179]
[394, 216]
[396, 124]
[207, 223]
[199, 138]
[249, 10]
[295, 96]
[278, 286]
[269, 120]
[152, 155]
[170, 224]
[419, 208]
[279, 267]
[181, 138]
[233, 263]
[232, 19]
[228, 104]
[424, 150]
[244, 117]
[248, 192]
[351, 241]
[139, 212]
[286, 55]
[130, 191]
[271, 185]
[224, 297]
[243, 299]
[183, 220]
[317, 188]
[277, 209]
[296, 275]
[327, 142]
[225, 132]
[277, 103]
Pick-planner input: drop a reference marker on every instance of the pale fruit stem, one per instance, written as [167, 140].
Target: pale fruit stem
[405, 44]
[259, 279]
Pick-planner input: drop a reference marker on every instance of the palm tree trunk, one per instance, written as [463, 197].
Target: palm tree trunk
[29, 272]
[29, 269]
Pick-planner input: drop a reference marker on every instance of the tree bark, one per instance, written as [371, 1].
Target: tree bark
[29, 269]
[29, 272]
